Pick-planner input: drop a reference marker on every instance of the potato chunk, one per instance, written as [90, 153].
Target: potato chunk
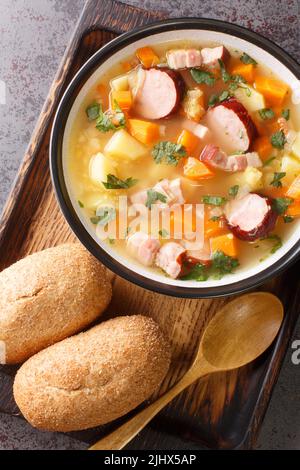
[123, 145]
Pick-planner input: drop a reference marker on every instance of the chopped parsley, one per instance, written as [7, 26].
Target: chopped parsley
[281, 204]
[269, 161]
[285, 113]
[80, 203]
[277, 242]
[93, 111]
[111, 241]
[153, 196]
[113, 182]
[224, 74]
[266, 113]
[110, 121]
[223, 264]
[214, 200]
[202, 76]
[288, 219]
[213, 99]
[163, 233]
[215, 218]
[220, 265]
[224, 96]
[109, 213]
[233, 190]
[276, 182]
[247, 59]
[168, 152]
[278, 140]
[198, 273]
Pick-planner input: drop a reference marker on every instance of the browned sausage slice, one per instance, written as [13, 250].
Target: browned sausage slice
[159, 93]
[232, 126]
[250, 217]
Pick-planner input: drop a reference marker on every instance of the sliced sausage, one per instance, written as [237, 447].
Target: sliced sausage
[143, 248]
[212, 55]
[250, 217]
[171, 189]
[158, 93]
[232, 126]
[184, 58]
[213, 156]
[170, 258]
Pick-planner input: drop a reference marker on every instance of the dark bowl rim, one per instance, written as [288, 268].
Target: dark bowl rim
[56, 169]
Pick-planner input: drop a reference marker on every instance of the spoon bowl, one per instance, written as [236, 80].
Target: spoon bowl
[241, 331]
[238, 333]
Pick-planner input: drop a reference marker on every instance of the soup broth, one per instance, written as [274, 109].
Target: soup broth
[188, 124]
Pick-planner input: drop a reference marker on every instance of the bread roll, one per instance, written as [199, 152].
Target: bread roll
[48, 296]
[94, 377]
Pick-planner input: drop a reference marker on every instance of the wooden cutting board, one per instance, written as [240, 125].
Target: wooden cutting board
[223, 411]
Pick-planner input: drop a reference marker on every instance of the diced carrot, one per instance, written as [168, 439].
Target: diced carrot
[263, 147]
[294, 209]
[247, 71]
[213, 228]
[126, 66]
[196, 170]
[101, 88]
[277, 110]
[144, 131]
[188, 140]
[260, 125]
[147, 57]
[123, 99]
[294, 189]
[274, 91]
[225, 243]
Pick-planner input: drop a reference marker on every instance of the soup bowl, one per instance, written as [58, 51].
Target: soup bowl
[205, 31]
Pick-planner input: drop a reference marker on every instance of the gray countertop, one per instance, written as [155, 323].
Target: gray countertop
[34, 34]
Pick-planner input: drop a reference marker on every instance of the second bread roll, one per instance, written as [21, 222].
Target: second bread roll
[94, 377]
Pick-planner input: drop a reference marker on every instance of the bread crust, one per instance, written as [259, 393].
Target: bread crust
[47, 297]
[94, 377]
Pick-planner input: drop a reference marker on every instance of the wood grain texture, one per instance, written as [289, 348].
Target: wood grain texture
[224, 411]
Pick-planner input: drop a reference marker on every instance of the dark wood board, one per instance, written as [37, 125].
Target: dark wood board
[222, 411]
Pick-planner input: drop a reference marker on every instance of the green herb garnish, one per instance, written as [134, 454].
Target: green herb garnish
[288, 219]
[281, 204]
[224, 96]
[108, 214]
[113, 182]
[224, 74]
[233, 190]
[153, 196]
[213, 99]
[266, 113]
[110, 121]
[276, 179]
[246, 59]
[215, 218]
[80, 203]
[93, 111]
[277, 242]
[163, 233]
[267, 162]
[278, 140]
[223, 264]
[285, 113]
[214, 200]
[198, 273]
[168, 152]
[201, 76]
[111, 241]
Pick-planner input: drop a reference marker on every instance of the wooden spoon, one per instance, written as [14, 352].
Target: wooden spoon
[240, 332]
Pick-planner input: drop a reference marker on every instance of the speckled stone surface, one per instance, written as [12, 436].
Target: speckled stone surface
[34, 34]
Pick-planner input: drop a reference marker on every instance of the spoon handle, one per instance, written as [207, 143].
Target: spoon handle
[125, 433]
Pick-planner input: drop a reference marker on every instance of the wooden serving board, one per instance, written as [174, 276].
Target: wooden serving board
[223, 411]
